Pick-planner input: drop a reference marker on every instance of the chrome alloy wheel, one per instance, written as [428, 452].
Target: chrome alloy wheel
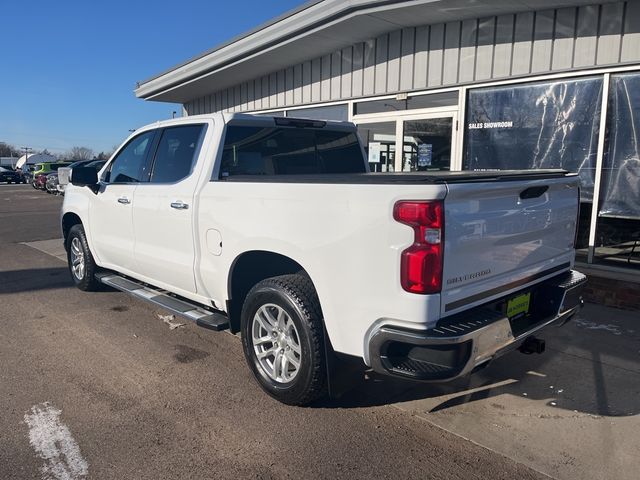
[77, 259]
[276, 343]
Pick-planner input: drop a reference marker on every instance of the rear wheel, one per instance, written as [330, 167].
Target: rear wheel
[81, 264]
[283, 340]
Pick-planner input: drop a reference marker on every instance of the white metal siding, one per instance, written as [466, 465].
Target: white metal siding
[442, 55]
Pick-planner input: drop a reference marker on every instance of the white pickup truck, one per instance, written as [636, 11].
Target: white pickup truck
[274, 228]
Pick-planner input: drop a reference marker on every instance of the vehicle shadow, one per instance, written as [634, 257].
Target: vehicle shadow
[34, 279]
[589, 371]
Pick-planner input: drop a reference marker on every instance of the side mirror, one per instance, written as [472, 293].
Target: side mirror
[85, 177]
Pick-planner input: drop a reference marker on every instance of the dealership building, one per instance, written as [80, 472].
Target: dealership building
[456, 85]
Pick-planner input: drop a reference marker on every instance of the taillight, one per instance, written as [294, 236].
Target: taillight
[421, 263]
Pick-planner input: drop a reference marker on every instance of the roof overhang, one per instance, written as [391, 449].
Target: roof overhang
[312, 30]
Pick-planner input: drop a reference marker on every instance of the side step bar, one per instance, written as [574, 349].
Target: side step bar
[204, 318]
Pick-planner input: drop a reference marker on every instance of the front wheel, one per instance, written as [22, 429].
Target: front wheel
[283, 339]
[81, 264]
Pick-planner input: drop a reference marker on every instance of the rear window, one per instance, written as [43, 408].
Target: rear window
[289, 151]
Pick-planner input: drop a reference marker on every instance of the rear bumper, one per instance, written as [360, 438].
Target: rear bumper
[467, 341]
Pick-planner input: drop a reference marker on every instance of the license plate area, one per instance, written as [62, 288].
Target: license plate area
[518, 306]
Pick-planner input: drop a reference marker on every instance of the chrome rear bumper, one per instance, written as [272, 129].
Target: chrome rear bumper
[465, 342]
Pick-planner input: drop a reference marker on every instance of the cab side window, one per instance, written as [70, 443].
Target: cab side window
[129, 164]
[176, 153]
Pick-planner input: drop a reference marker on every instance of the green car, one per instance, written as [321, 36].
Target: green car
[48, 167]
[45, 168]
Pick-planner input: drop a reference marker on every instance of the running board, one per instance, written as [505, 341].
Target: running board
[204, 318]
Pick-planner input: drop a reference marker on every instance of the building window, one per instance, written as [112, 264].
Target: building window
[331, 112]
[618, 225]
[434, 100]
[552, 124]
[279, 113]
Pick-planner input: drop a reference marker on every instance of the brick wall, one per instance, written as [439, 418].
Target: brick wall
[613, 293]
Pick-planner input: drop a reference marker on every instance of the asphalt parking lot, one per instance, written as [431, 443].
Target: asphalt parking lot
[96, 385]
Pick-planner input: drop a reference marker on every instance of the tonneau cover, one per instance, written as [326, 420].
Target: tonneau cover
[405, 178]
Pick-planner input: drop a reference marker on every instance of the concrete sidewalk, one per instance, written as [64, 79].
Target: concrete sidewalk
[53, 247]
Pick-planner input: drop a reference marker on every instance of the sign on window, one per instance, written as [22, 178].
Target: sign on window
[536, 125]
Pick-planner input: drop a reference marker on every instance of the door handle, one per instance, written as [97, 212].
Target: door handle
[124, 200]
[179, 205]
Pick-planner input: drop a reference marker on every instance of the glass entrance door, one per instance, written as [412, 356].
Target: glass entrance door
[427, 144]
[379, 140]
[426, 141]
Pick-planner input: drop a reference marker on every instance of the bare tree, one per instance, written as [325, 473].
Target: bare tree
[103, 156]
[8, 150]
[79, 153]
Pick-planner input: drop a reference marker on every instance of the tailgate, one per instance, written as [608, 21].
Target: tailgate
[504, 234]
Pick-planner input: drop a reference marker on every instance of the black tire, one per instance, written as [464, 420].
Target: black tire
[87, 281]
[296, 295]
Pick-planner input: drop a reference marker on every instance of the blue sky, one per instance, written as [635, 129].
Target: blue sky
[68, 68]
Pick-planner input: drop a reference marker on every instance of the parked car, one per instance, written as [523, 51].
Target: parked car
[52, 182]
[44, 169]
[274, 227]
[10, 176]
[27, 175]
[39, 181]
